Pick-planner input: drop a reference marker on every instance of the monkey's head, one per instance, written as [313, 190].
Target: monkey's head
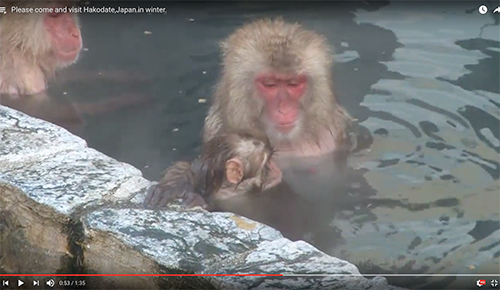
[235, 158]
[48, 37]
[278, 75]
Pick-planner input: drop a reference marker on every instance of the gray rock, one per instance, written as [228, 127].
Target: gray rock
[65, 207]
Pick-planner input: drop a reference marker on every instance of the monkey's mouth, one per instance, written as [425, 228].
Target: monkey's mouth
[68, 56]
[285, 127]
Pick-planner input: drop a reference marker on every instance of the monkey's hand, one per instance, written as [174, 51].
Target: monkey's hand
[274, 176]
[158, 197]
[177, 183]
[193, 199]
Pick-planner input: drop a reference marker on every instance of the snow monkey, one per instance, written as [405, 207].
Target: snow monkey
[276, 80]
[230, 165]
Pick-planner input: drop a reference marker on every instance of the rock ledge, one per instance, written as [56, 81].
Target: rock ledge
[66, 208]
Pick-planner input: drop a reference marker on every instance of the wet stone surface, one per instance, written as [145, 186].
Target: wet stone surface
[65, 203]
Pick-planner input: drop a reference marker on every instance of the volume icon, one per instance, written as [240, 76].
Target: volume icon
[2, 10]
[50, 283]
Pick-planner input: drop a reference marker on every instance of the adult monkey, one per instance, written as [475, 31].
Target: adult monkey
[33, 47]
[276, 79]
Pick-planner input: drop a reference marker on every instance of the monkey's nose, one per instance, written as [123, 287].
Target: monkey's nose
[283, 110]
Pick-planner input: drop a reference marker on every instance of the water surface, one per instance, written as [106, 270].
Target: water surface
[422, 78]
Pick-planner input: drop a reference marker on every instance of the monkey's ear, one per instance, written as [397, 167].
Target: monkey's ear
[234, 171]
[223, 46]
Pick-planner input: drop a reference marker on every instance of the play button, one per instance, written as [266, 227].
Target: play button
[19, 283]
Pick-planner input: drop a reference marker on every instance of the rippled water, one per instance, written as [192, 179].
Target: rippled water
[422, 78]
[436, 146]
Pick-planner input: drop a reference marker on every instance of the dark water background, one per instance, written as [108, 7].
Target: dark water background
[423, 78]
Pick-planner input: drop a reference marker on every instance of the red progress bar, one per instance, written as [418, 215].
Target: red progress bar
[87, 275]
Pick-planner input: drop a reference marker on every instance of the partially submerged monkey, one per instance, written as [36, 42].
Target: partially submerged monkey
[33, 48]
[277, 80]
[231, 165]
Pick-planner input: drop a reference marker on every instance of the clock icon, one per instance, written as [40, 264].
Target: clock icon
[483, 9]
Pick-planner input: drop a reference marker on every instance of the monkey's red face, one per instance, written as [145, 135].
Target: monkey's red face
[282, 95]
[65, 36]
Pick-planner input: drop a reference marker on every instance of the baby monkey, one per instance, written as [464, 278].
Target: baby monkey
[230, 165]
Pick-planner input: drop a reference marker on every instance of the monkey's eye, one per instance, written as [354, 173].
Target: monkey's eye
[269, 85]
[268, 82]
[297, 83]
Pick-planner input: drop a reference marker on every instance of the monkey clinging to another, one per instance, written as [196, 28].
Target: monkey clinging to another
[231, 165]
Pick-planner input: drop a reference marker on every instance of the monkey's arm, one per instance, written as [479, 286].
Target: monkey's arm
[180, 181]
[274, 176]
